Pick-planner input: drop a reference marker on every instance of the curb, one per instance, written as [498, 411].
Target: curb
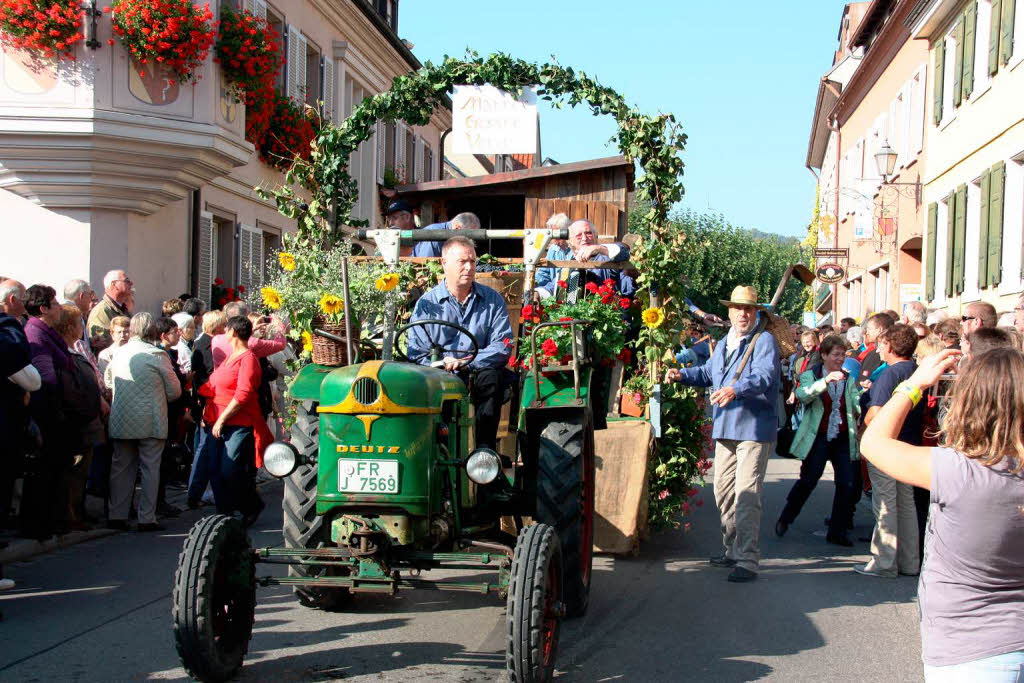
[24, 548]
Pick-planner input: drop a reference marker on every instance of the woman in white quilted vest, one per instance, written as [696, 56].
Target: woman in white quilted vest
[143, 381]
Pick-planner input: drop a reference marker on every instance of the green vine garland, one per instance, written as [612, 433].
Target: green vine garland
[653, 142]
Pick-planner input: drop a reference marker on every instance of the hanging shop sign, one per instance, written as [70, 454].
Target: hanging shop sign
[830, 273]
[834, 254]
[486, 120]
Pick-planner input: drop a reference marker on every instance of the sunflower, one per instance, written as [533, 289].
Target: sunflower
[286, 260]
[307, 341]
[330, 304]
[653, 317]
[271, 298]
[386, 282]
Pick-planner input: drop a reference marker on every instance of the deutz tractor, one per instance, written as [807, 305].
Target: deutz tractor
[382, 481]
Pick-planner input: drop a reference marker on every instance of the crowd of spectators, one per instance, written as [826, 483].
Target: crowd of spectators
[107, 401]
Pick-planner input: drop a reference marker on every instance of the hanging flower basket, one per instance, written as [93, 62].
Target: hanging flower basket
[47, 28]
[289, 135]
[247, 52]
[176, 33]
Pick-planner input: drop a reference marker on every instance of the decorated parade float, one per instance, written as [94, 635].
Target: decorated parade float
[382, 479]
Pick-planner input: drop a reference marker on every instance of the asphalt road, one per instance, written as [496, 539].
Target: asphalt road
[100, 611]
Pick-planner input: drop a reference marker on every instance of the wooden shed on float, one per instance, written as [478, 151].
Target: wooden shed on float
[597, 190]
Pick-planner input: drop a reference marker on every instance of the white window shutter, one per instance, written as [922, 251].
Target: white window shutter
[417, 163]
[382, 146]
[259, 9]
[205, 264]
[917, 110]
[250, 266]
[294, 39]
[330, 107]
[400, 159]
[303, 51]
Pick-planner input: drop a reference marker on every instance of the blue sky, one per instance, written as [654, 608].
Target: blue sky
[740, 76]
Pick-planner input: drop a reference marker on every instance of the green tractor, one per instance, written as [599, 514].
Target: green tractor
[382, 482]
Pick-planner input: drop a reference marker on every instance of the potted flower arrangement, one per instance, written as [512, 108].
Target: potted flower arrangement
[307, 288]
[603, 308]
[175, 33]
[45, 27]
[221, 295]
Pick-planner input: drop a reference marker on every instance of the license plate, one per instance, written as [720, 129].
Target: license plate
[367, 476]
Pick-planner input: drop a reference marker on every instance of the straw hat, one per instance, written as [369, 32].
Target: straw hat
[742, 295]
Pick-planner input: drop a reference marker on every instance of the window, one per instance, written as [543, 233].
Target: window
[881, 277]
[948, 78]
[313, 91]
[854, 299]
[271, 245]
[276, 21]
[973, 262]
[428, 163]
[224, 250]
[917, 95]
[981, 40]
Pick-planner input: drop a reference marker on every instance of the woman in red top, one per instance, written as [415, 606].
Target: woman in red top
[235, 430]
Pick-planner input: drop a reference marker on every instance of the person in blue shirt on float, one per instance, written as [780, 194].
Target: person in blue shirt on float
[459, 299]
[463, 221]
[583, 246]
[744, 375]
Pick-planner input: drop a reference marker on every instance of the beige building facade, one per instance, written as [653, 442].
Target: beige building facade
[873, 100]
[974, 178]
[102, 168]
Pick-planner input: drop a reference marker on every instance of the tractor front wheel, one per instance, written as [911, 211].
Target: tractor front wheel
[565, 500]
[214, 599]
[534, 609]
[302, 527]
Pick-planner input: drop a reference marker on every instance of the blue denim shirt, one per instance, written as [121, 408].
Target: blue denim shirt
[425, 249]
[484, 314]
[753, 414]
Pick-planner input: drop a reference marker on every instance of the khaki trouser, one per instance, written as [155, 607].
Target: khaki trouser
[131, 456]
[739, 479]
[894, 545]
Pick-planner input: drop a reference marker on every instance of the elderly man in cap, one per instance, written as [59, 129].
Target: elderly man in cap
[744, 374]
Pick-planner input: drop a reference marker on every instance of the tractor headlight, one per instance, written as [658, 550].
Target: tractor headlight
[483, 465]
[280, 459]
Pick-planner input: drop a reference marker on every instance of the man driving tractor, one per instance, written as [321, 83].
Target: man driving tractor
[481, 310]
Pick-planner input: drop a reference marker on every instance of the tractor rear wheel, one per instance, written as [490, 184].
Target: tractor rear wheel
[214, 599]
[565, 500]
[302, 527]
[533, 611]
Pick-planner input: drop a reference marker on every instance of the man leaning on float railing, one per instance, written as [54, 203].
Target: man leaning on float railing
[743, 374]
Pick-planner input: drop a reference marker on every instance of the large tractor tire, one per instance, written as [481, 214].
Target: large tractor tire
[302, 527]
[565, 501]
[214, 599]
[533, 608]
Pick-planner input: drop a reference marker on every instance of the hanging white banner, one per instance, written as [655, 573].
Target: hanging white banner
[486, 120]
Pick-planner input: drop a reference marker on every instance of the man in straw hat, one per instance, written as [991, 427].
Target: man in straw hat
[744, 375]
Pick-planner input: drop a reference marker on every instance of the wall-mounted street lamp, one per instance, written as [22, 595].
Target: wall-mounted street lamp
[885, 161]
[91, 15]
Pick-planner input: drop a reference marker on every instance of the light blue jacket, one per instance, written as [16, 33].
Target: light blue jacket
[485, 315]
[754, 414]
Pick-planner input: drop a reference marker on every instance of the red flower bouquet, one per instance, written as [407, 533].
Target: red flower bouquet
[172, 32]
[47, 27]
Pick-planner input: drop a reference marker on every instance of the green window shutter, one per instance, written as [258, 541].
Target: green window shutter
[993, 38]
[959, 241]
[983, 232]
[970, 30]
[995, 224]
[1006, 32]
[933, 223]
[950, 234]
[958, 63]
[940, 64]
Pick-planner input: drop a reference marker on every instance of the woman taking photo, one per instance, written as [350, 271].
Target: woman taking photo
[827, 433]
[235, 429]
[971, 590]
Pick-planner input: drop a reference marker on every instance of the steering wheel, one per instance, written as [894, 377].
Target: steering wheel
[435, 346]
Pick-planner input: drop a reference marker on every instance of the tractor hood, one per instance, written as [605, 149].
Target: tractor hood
[381, 387]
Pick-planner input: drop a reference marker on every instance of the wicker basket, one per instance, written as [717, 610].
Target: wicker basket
[327, 351]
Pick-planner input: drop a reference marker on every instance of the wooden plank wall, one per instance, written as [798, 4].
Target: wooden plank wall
[607, 219]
